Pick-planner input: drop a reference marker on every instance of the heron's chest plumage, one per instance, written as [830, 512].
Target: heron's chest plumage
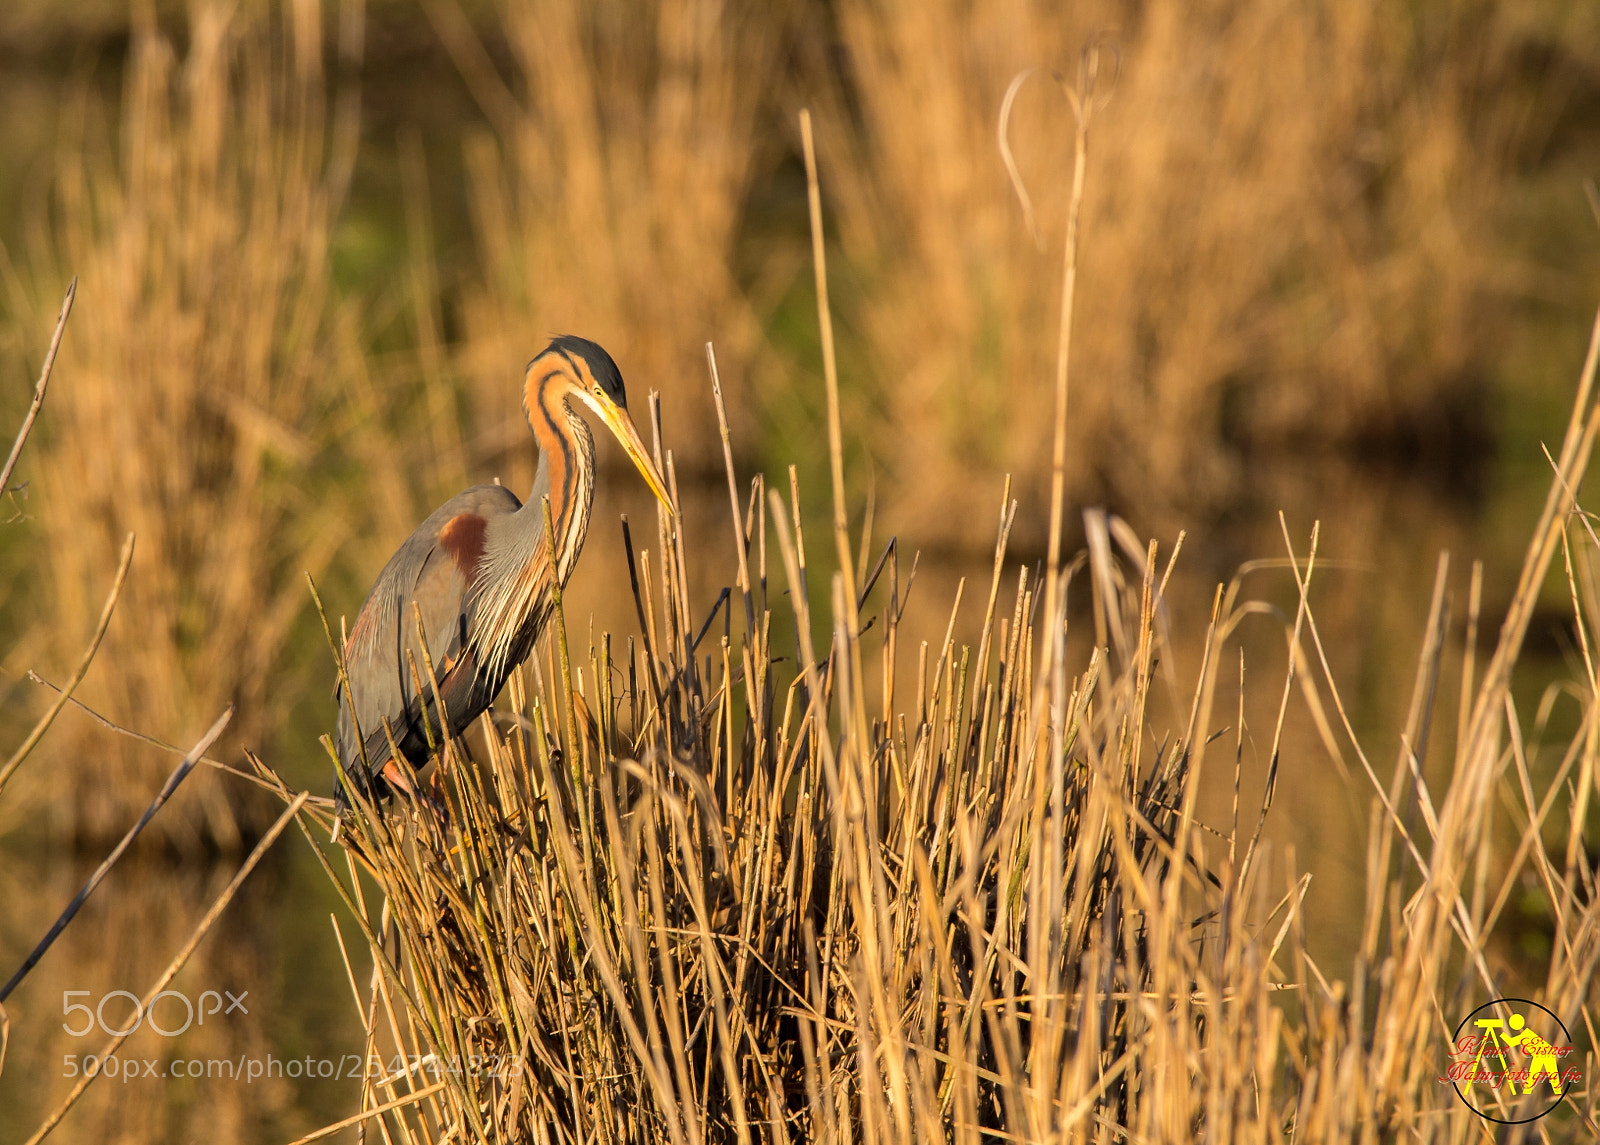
[511, 596]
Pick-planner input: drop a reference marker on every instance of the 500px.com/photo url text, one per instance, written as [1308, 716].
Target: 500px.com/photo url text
[250, 1069]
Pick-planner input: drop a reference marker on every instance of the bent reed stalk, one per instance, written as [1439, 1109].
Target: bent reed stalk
[693, 889]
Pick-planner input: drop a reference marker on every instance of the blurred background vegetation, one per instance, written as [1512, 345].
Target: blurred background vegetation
[1337, 260]
[1324, 248]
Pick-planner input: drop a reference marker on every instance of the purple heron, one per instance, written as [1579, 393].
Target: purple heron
[479, 572]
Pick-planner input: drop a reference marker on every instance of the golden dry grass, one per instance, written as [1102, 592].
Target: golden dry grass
[958, 893]
[1284, 248]
[980, 907]
[849, 889]
[199, 386]
[1285, 240]
[608, 190]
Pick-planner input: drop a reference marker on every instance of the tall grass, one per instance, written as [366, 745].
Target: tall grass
[1286, 232]
[127, 931]
[776, 873]
[608, 191]
[196, 391]
[694, 892]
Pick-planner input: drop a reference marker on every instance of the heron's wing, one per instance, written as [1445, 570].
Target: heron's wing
[425, 583]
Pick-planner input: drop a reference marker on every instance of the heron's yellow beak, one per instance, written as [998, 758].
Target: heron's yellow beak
[621, 426]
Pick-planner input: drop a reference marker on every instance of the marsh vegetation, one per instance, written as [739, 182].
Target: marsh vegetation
[932, 839]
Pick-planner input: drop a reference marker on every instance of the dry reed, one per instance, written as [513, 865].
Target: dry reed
[1265, 188]
[128, 931]
[608, 192]
[789, 879]
[1285, 231]
[195, 392]
[729, 897]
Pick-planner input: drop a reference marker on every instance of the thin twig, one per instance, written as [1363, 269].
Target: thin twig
[77, 677]
[44, 384]
[368, 1114]
[179, 774]
[177, 962]
[319, 801]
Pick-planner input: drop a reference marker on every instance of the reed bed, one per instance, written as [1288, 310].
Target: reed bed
[607, 188]
[1286, 228]
[692, 889]
[767, 874]
[1287, 224]
[196, 396]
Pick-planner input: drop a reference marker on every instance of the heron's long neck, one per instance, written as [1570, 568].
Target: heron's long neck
[508, 587]
[566, 473]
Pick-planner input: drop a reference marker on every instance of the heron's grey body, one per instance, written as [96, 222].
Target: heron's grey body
[423, 577]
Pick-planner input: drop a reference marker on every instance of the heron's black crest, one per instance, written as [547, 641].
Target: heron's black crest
[599, 362]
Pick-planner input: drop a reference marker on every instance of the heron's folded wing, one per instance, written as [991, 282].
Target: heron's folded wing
[424, 583]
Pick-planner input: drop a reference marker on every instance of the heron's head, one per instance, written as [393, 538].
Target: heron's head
[583, 370]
